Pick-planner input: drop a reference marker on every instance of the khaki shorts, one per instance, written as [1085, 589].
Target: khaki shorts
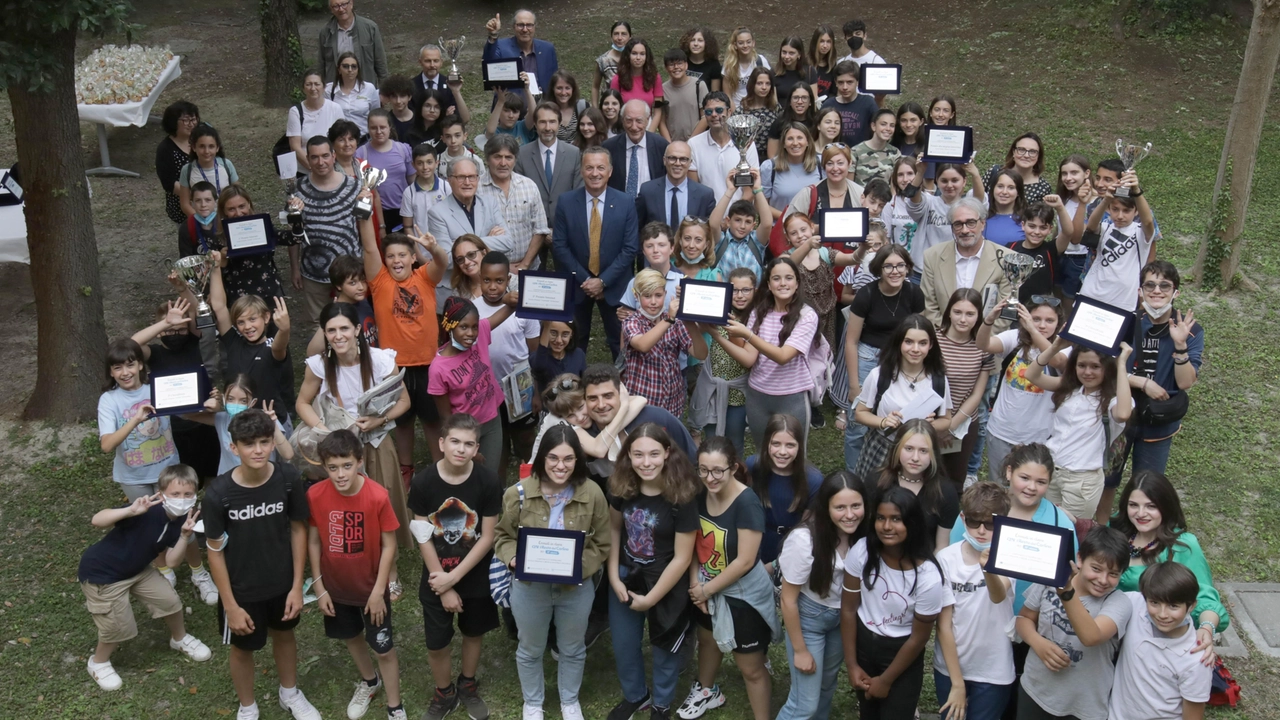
[112, 613]
[1076, 491]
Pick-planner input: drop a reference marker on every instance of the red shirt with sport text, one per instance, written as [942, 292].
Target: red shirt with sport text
[350, 528]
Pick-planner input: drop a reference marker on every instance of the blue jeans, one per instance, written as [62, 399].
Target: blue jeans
[534, 605]
[1073, 271]
[811, 694]
[984, 700]
[1152, 456]
[975, 460]
[626, 628]
[735, 427]
[854, 432]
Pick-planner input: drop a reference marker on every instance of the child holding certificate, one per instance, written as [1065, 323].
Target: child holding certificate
[654, 341]
[128, 426]
[726, 370]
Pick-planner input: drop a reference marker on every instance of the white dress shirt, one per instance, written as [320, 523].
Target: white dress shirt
[967, 267]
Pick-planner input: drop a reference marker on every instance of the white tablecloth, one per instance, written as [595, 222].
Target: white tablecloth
[132, 113]
[13, 235]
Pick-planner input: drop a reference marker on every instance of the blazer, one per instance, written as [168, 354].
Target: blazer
[938, 281]
[447, 222]
[653, 202]
[366, 44]
[654, 144]
[619, 241]
[565, 176]
[507, 49]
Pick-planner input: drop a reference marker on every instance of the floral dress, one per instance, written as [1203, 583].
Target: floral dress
[819, 288]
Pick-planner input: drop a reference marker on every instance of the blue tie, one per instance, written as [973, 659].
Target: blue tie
[633, 173]
[675, 207]
[546, 168]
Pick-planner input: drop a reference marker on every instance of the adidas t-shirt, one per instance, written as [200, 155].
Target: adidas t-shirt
[1117, 269]
[256, 520]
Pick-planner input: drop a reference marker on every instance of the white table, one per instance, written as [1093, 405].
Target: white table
[123, 115]
[13, 235]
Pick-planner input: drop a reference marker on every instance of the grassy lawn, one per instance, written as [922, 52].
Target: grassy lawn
[1014, 66]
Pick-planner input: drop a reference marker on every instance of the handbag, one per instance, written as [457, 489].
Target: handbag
[1154, 413]
[499, 572]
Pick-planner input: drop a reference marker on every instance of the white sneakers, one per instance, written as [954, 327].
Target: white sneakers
[532, 713]
[297, 705]
[205, 586]
[191, 647]
[108, 679]
[247, 713]
[571, 712]
[106, 676]
[364, 693]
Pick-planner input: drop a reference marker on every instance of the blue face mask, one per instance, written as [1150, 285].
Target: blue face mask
[980, 547]
[617, 48]
[234, 409]
[694, 260]
[457, 345]
[206, 219]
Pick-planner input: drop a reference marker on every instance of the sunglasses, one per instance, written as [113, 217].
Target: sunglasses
[714, 111]
[990, 525]
[1049, 300]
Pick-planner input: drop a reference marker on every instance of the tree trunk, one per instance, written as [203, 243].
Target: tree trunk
[282, 51]
[71, 340]
[1240, 149]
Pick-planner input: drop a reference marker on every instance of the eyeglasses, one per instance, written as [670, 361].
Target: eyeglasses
[340, 6]
[678, 160]
[1025, 152]
[959, 225]
[895, 267]
[524, 26]
[974, 525]
[743, 291]
[715, 473]
[714, 111]
[1049, 300]
[349, 66]
[468, 257]
[189, 119]
[1162, 287]
[465, 178]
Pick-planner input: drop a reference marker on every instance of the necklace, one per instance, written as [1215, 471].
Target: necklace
[893, 312]
[909, 481]
[1136, 551]
[911, 381]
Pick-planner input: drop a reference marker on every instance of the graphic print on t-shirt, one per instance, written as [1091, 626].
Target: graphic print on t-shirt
[890, 601]
[1058, 618]
[346, 532]
[408, 303]
[477, 380]
[146, 444]
[458, 526]
[1015, 376]
[640, 524]
[1116, 245]
[710, 544]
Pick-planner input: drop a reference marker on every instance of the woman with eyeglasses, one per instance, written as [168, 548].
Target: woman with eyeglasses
[313, 116]
[355, 96]
[173, 152]
[792, 169]
[877, 310]
[607, 63]
[468, 250]
[1026, 158]
[797, 105]
[836, 190]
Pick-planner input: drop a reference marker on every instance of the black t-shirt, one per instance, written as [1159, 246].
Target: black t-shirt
[775, 130]
[945, 513]
[129, 547]
[546, 367]
[403, 128]
[272, 379]
[716, 543]
[825, 78]
[257, 522]
[456, 513]
[706, 71]
[855, 117]
[783, 83]
[1047, 261]
[881, 315]
[649, 527]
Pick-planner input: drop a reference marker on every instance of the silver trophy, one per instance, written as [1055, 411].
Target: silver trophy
[1017, 267]
[369, 178]
[743, 129]
[453, 48]
[194, 271]
[1130, 154]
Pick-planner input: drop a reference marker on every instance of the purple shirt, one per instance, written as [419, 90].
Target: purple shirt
[398, 162]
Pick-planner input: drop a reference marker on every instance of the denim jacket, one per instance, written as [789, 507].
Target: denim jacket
[587, 511]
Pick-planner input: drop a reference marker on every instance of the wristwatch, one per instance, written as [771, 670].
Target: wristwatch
[1066, 596]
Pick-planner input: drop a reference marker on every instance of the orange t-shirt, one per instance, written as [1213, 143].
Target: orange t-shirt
[406, 315]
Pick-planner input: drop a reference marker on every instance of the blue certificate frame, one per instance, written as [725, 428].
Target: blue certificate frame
[1052, 570]
[540, 303]
[1089, 316]
[204, 387]
[564, 549]
[720, 317]
[269, 232]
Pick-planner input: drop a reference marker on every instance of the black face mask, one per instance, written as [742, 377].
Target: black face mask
[175, 343]
[855, 43]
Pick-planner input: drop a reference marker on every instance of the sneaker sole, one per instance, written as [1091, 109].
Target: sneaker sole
[710, 704]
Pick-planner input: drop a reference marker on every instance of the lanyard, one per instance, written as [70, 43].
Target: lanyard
[216, 184]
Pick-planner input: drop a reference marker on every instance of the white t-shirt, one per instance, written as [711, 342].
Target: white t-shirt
[744, 72]
[508, 342]
[314, 122]
[1154, 675]
[713, 163]
[350, 384]
[796, 562]
[1023, 411]
[889, 607]
[355, 104]
[899, 394]
[980, 626]
[416, 203]
[1116, 272]
[1074, 248]
[1077, 438]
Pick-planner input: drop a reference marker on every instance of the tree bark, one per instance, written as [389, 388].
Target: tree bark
[1244, 132]
[282, 51]
[71, 340]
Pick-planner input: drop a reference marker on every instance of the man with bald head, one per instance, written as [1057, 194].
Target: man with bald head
[636, 153]
[672, 197]
[537, 57]
[465, 212]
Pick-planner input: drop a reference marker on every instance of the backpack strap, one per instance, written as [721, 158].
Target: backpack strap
[882, 386]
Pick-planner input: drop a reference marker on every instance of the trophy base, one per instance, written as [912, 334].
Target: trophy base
[204, 322]
[362, 210]
[743, 180]
[453, 77]
[1121, 192]
[1010, 312]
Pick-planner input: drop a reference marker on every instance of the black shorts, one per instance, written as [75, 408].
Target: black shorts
[750, 631]
[266, 615]
[349, 621]
[479, 615]
[421, 402]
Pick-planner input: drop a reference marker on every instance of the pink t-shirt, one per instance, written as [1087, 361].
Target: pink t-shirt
[769, 377]
[637, 91]
[467, 378]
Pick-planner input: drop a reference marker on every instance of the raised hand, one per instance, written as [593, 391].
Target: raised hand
[281, 315]
[177, 314]
[494, 25]
[189, 526]
[140, 505]
[1053, 201]
[1180, 325]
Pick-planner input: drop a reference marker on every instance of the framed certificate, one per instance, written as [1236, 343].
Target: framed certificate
[250, 235]
[705, 301]
[844, 225]
[503, 74]
[550, 556]
[180, 392]
[546, 295]
[948, 144]
[1099, 326]
[1031, 551]
[11, 184]
[881, 79]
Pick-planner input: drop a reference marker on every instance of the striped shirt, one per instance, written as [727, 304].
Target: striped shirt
[522, 209]
[963, 361]
[330, 226]
[769, 377]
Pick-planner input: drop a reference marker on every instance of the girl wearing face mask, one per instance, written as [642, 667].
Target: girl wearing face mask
[1091, 404]
[1022, 412]
[968, 367]
[792, 168]
[236, 397]
[823, 58]
[565, 403]
[929, 211]
[607, 63]
[653, 518]
[739, 60]
[556, 495]
[207, 164]
[247, 274]
[914, 463]
[703, 49]
[355, 96]
[385, 153]
[797, 104]
[557, 354]
[1026, 158]
[313, 116]
[812, 568]
[785, 482]
[718, 403]
[780, 334]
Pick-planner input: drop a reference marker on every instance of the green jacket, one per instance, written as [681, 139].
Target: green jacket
[587, 511]
[366, 43]
[1187, 552]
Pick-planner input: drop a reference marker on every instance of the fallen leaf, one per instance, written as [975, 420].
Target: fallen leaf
[39, 698]
[181, 681]
[150, 670]
[25, 641]
[193, 690]
[8, 604]
[223, 711]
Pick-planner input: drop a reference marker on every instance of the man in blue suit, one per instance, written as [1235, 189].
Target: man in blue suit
[596, 236]
[635, 152]
[538, 57]
[670, 198]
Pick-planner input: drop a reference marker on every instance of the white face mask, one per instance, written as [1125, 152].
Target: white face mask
[178, 507]
[1155, 313]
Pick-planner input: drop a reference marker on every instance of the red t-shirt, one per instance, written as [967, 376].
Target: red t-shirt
[351, 530]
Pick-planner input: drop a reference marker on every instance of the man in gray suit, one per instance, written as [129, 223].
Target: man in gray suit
[465, 213]
[563, 159]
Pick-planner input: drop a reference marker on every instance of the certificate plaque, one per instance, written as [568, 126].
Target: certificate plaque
[550, 556]
[705, 301]
[881, 79]
[503, 74]
[843, 226]
[546, 295]
[1031, 551]
[948, 144]
[1099, 326]
[250, 235]
[180, 392]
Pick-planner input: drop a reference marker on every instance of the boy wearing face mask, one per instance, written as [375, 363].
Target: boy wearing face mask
[655, 342]
[195, 235]
[119, 565]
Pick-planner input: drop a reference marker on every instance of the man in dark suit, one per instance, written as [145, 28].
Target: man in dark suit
[636, 153]
[563, 160]
[671, 197]
[596, 236]
[538, 57]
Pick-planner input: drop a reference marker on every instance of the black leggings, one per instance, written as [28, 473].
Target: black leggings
[875, 654]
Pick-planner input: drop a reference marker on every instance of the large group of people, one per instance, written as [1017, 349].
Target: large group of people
[311, 489]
